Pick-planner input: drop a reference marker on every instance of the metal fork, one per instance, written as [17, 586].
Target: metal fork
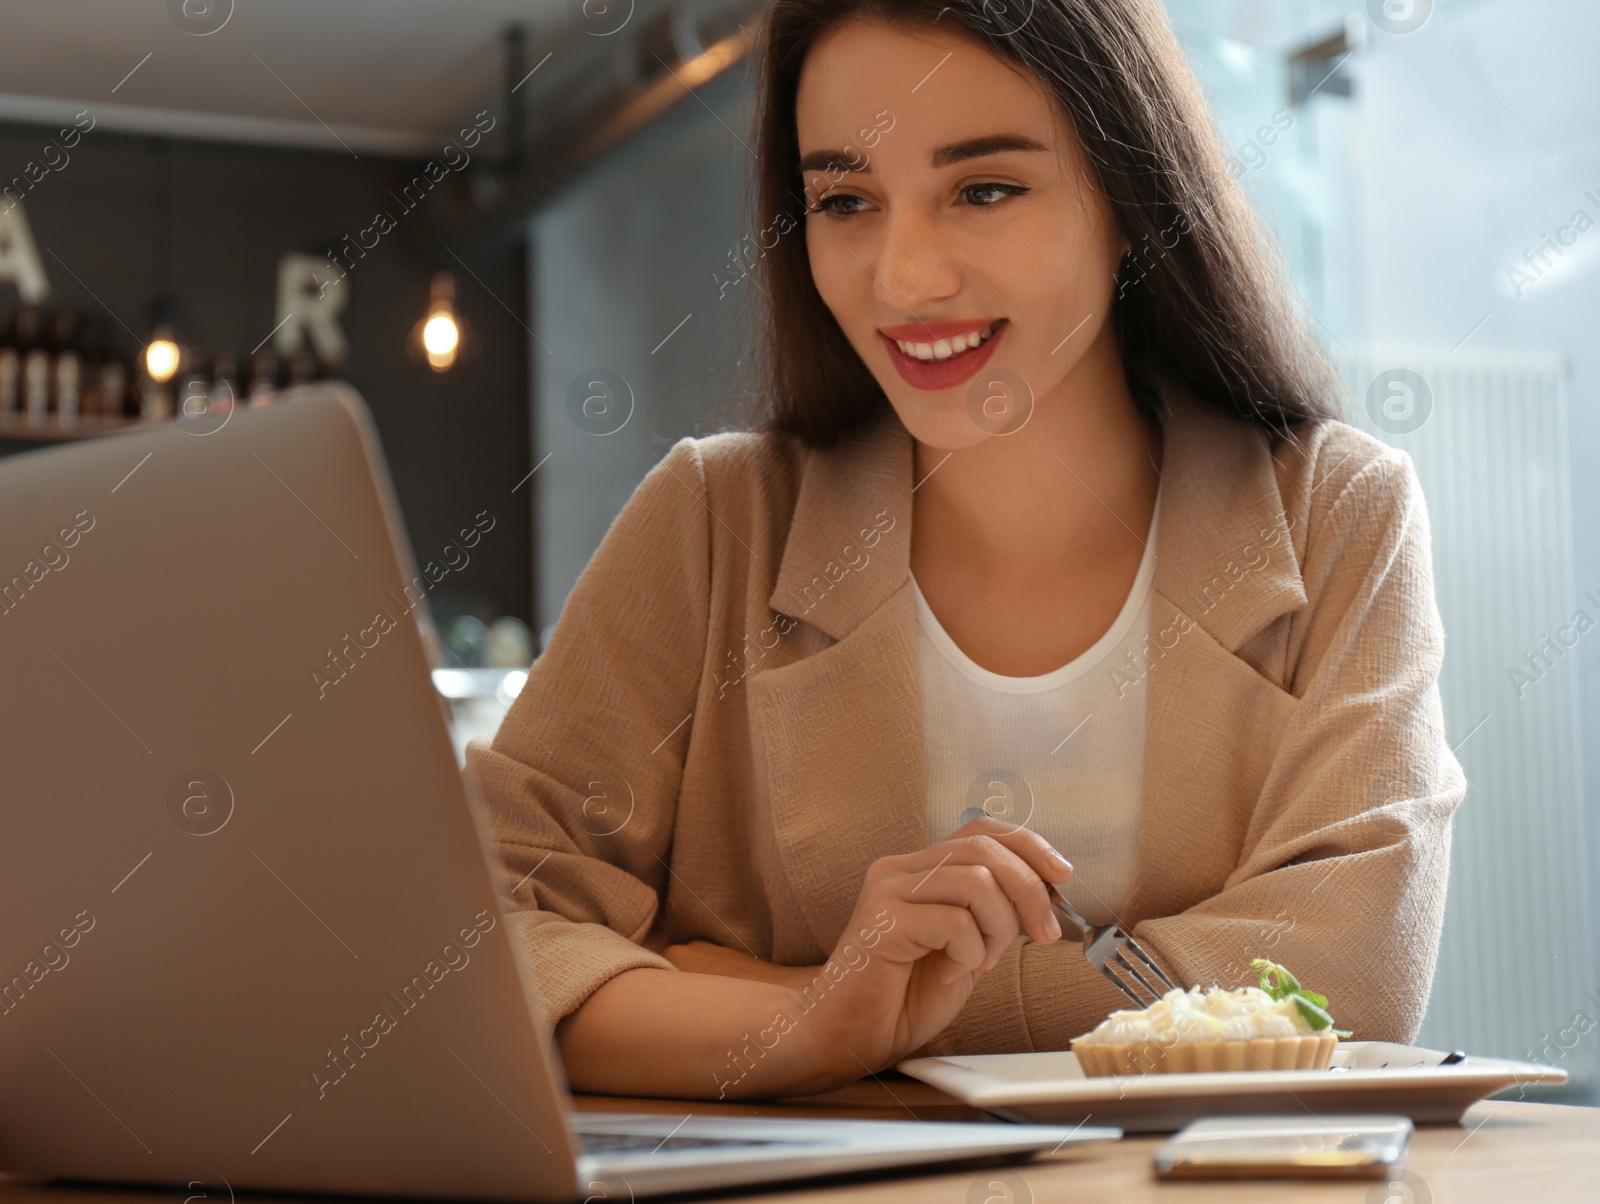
[1116, 955]
[1107, 947]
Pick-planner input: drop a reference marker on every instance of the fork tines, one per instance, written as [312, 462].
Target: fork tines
[1108, 950]
[1126, 964]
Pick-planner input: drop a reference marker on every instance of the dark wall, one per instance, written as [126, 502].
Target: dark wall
[456, 442]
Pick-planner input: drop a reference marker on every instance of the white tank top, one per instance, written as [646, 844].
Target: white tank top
[1061, 753]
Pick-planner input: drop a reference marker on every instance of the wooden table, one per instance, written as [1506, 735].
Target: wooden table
[1519, 1152]
[1502, 1151]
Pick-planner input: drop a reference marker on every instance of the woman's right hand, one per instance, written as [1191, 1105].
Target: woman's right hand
[925, 928]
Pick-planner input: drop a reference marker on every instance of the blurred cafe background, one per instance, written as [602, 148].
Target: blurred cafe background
[517, 227]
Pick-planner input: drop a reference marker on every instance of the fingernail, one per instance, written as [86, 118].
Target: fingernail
[1061, 859]
[1055, 926]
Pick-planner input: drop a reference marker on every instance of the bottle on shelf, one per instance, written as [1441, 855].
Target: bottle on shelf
[331, 369]
[303, 366]
[92, 403]
[224, 382]
[32, 343]
[66, 382]
[10, 366]
[263, 378]
[115, 395]
[194, 395]
[155, 397]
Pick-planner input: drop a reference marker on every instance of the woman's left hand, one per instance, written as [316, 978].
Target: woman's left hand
[703, 957]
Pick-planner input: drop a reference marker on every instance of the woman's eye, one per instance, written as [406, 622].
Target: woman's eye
[976, 193]
[831, 204]
[842, 204]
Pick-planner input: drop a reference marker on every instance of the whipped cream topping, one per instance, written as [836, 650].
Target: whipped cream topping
[1214, 1014]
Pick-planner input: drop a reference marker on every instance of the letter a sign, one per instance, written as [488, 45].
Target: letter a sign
[19, 257]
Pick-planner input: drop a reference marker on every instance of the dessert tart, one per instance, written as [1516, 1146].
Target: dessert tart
[1278, 1025]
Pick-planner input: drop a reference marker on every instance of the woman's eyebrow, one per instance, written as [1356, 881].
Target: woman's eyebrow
[956, 152]
[989, 144]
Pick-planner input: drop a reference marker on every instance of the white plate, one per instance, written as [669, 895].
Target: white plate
[1366, 1076]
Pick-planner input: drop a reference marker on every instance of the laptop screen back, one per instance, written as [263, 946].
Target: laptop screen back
[249, 930]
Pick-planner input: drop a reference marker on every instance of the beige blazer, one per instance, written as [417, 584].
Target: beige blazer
[726, 728]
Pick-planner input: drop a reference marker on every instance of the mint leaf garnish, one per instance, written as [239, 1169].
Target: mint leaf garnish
[1278, 983]
[1317, 1017]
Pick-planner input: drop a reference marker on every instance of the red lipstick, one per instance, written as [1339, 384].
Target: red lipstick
[938, 374]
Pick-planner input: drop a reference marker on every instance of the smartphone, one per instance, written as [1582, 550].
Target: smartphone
[1257, 1147]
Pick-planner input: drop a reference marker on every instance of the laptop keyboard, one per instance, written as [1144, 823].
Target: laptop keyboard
[647, 1143]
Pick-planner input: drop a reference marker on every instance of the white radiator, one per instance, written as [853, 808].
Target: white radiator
[1488, 436]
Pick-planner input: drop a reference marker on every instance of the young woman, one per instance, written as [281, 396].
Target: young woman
[1048, 515]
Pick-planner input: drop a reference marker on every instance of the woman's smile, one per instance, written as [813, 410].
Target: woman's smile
[938, 355]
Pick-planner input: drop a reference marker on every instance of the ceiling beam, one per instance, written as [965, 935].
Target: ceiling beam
[594, 94]
[221, 127]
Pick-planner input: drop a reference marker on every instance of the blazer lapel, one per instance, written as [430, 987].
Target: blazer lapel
[1226, 567]
[1212, 724]
[843, 735]
[841, 730]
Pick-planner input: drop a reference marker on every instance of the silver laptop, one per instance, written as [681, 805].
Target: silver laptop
[248, 929]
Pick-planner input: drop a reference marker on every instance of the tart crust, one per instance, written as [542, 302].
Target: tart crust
[1155, 1057]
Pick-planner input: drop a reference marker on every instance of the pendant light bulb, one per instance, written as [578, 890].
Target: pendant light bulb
[441, 337]
[441, 333]
[162, 355]
[161, 358]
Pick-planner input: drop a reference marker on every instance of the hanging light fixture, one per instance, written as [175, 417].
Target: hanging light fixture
[439, 334]
[162, 355]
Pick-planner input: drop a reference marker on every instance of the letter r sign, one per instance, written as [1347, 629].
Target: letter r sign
[312, 293]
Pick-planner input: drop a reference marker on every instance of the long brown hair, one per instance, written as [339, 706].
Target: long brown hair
[1204, 296]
